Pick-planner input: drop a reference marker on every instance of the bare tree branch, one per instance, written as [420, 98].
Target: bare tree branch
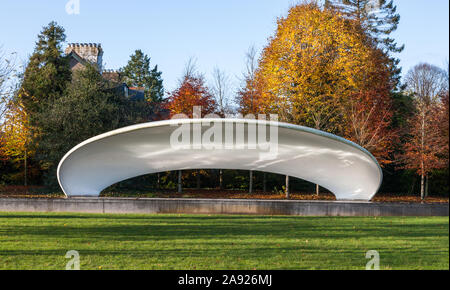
[7, 69]
[221, 89]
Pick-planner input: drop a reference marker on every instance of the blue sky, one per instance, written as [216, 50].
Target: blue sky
[216, 33]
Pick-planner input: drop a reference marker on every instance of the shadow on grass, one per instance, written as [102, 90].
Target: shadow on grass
[159, 216]
[185, 253]
[293, 257]
[206, 228]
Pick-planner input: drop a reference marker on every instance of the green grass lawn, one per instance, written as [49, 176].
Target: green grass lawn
[40, 241]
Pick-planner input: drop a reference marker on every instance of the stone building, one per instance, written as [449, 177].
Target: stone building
[81, 54]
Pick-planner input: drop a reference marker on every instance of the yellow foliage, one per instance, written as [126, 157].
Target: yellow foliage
[15, 131]
[315, 59]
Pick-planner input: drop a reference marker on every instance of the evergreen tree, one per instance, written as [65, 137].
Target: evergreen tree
[137, 73]
[378, 18]
[88, 107]
[48, 71]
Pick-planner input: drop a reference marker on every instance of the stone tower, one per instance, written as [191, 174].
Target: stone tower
[85, 52]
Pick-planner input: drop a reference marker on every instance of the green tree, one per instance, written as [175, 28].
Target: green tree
[88, 107]
[378, 18]
[137, 73]
[48, 71]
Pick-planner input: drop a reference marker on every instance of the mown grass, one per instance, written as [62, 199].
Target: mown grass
[40, 241]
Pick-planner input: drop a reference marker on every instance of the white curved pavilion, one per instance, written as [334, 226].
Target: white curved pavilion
[346, 169]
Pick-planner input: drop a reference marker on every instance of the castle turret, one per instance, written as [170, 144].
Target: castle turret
[87, 52]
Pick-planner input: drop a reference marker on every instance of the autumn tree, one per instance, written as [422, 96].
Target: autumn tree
[249, 95]
[426, 146]
[16, 135]
[444, 118]
[322, 71]
[313, 61]
[369, 111]
[138, 73]
[192, 91]
[4, 159]
[444, 124]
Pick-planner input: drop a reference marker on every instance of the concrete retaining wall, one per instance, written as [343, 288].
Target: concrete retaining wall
[222, 206]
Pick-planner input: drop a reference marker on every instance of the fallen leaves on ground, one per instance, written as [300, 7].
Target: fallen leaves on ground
[39, 192]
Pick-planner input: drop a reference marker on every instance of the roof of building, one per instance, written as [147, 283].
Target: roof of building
[136, 94]
[111, 75]
[137, 89]
[77, 57]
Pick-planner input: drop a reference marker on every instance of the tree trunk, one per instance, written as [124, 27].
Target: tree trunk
[25, 168]
[221, 179]
[317, 127]
[250, 184]
[422, 165]
[180, 188]
[287, 188]
[264, 183]
[198, 180]
[422, 187]
[158, 181]
[413, 186]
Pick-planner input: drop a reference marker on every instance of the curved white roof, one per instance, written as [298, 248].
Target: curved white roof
[349, 171]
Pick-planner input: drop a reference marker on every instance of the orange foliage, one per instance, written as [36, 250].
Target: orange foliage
[368, 112]
[250, 98]
[444, 124]
[425, 150]
[192, 92]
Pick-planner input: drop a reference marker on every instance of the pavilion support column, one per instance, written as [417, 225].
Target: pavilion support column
[221, 179]
[264, 182]
[198, 180]
[250, 185]
[287, 188]
[180, 188]
[158, 181]
[317, 189]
